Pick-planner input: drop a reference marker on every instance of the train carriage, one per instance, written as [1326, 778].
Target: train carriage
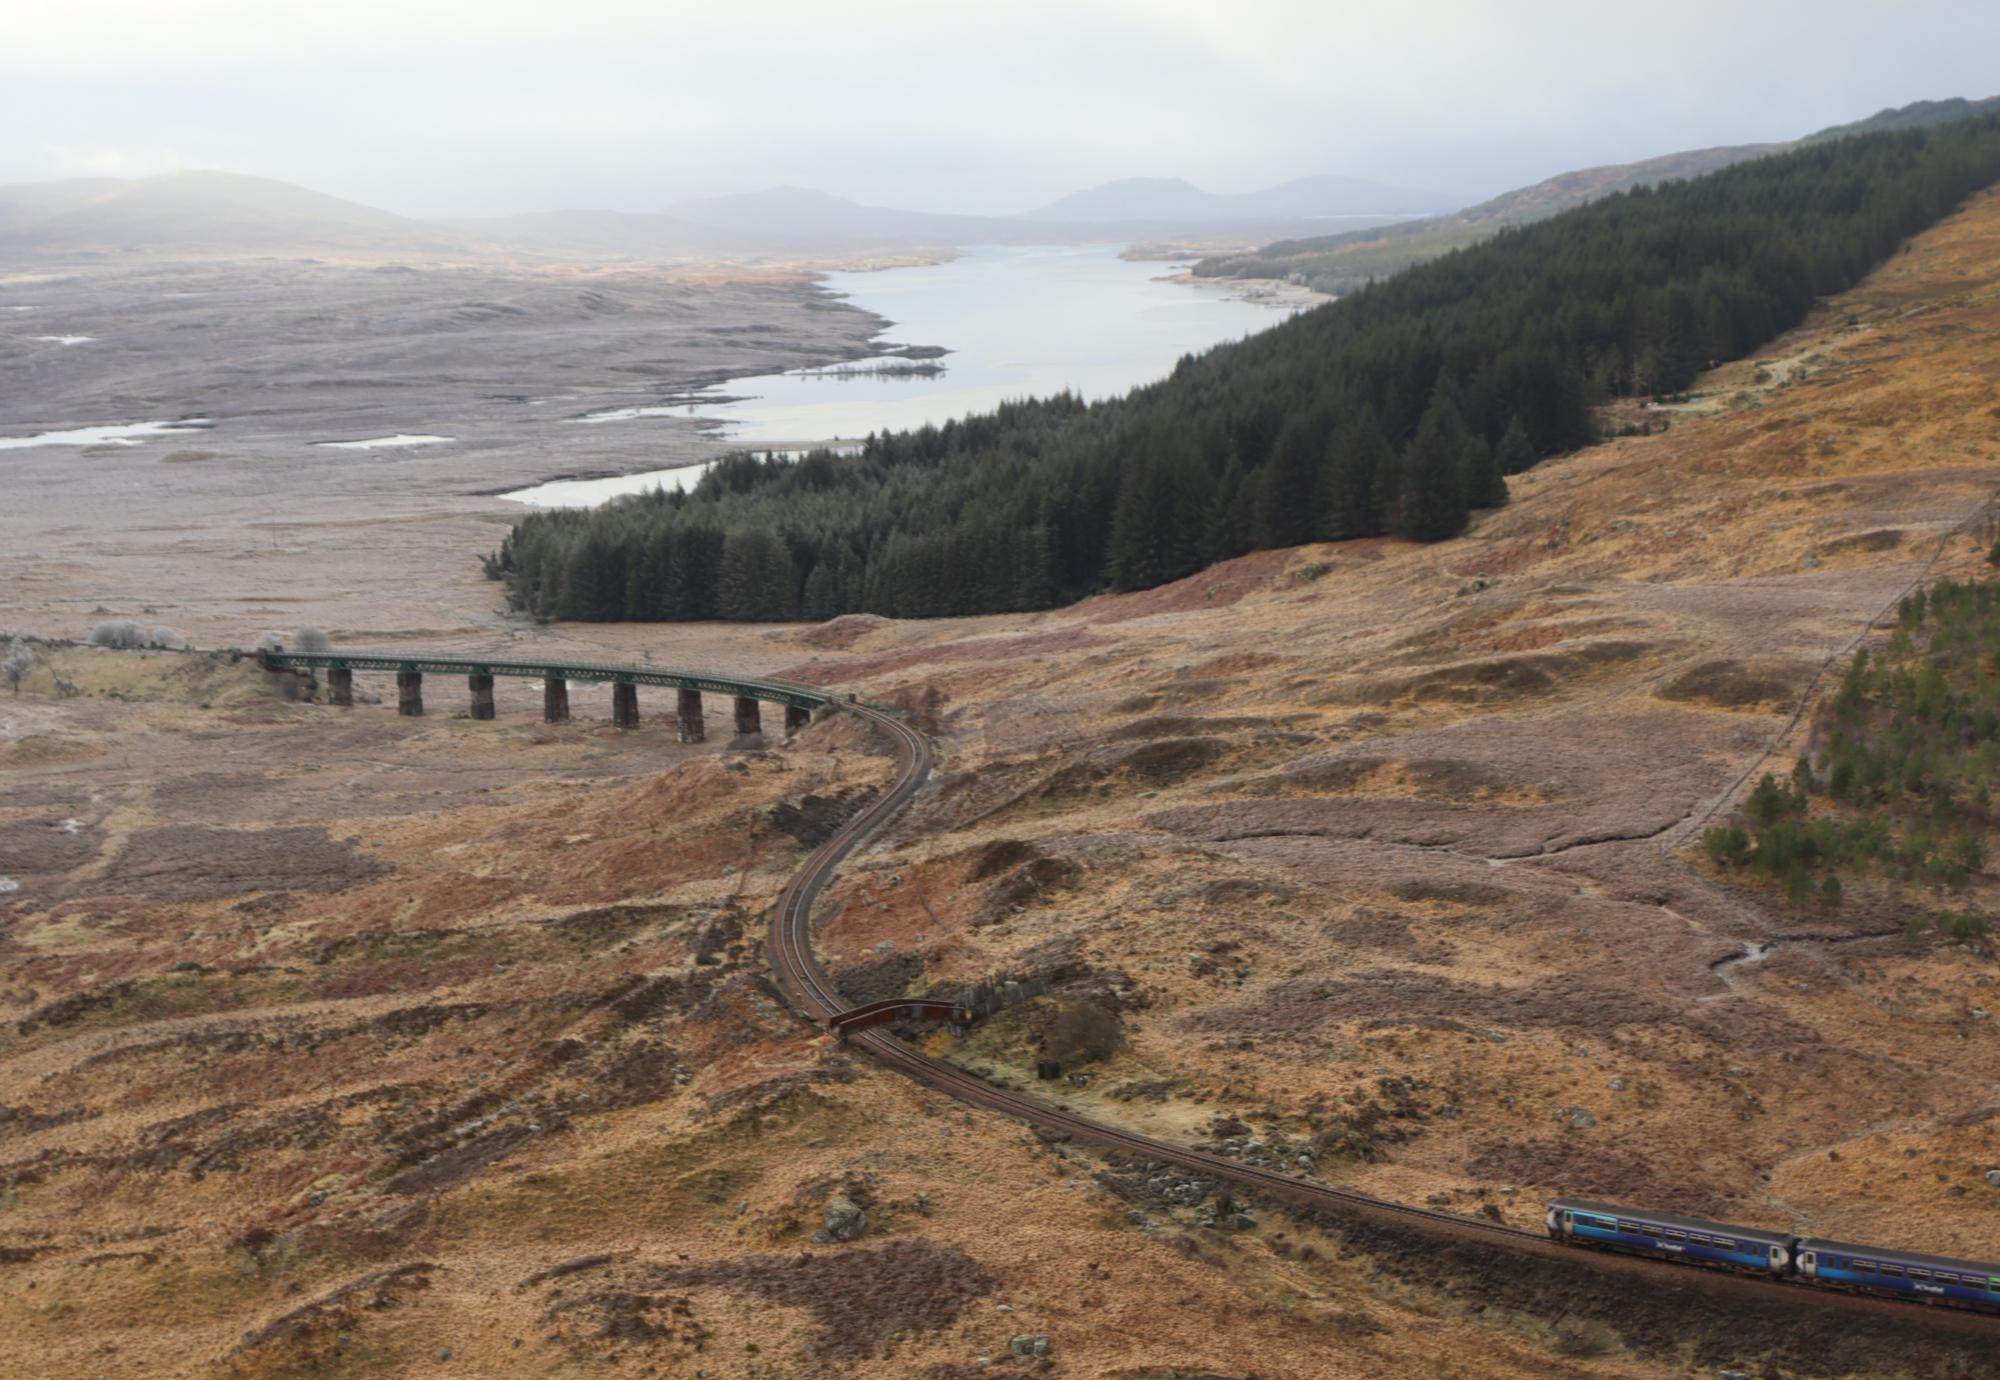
[1902, 1274]
[1668, 1237]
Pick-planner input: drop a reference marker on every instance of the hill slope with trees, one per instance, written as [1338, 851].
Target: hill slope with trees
[1396, 410]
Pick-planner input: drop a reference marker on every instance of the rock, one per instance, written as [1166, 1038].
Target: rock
[444, 1353]
[1579, 1117]
[1619, 1085]
[1993, 1177]
[844, 1220]
[1026, 1345]
[1242, 1221]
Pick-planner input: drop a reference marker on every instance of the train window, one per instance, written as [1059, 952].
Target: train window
[1945, 1277]
[1919, 1274]
[1993, 1284]
[1896, 1270]
[1862, 1267]
[1697, 1236]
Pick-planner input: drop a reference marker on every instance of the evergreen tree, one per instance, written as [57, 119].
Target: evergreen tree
[1484, 486]
[1516, 452]
[1434, 505]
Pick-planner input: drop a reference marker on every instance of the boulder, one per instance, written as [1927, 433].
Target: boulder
[845, 1221]
[1035, 1345]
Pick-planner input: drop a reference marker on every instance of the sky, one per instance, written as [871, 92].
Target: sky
[485, 107]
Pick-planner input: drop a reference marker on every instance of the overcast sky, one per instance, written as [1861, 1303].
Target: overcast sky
[440, 107]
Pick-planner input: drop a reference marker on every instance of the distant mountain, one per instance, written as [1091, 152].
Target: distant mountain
[1174, 200]
[1341, 262]
[803, 214]
[600, 235]
[197, 211]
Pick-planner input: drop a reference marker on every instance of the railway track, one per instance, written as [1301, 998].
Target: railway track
[810, 989]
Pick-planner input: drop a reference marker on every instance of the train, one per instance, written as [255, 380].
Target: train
[1808, 1260]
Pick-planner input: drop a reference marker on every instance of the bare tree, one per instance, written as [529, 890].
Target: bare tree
[311, 640]
[19, 661]
[167, 639]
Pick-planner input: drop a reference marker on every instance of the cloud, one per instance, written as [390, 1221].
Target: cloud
[438, 106]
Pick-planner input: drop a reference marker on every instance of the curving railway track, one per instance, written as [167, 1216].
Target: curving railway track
[810, 989]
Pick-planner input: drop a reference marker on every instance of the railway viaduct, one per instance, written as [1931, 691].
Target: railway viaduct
[800, 702]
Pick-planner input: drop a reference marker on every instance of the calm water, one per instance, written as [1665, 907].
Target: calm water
[1020, 321]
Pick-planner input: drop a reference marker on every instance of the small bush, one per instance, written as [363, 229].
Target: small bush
[19, 661]
[311, 641]
[167, 639]
[1084, 1030]
[121, 633]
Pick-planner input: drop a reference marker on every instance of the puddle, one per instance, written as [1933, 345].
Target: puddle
[64, 339]
[385, 442]
[626, 414]
[120, 434]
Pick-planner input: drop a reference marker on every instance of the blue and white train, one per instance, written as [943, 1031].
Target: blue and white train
[1779, 1255]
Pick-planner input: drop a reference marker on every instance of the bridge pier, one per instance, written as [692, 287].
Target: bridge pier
[796, 718]
[624, 704]
[688, 715]
[555, 700]
[482, 695]
[410, 693]
[749, 722]
[340, 686]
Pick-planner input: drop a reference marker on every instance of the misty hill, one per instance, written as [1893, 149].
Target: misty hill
[1172, 199]
[1916, 115]
[205, 212]
[1341, 262]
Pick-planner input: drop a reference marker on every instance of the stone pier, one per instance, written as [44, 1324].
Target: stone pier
[482, 695]
[555, 700]
[688, 713]
[410, 692]
[796, 718]
[340, 686]
[749, 721]
[624, 704]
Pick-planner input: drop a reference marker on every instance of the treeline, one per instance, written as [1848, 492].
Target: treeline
[1397, 410]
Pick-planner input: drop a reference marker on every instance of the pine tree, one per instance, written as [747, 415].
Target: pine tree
[1484, 485]
[1433, 505]
[1516, 453]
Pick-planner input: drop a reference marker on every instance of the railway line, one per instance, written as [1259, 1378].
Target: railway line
[810, 989]
[811, 992]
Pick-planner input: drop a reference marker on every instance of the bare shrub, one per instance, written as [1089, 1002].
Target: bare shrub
[120, 633]
[312, 641]
[923, 708]
[1084, 1029]
[18, 662]
[168, 639]
[1585, 1337]
[268, 642]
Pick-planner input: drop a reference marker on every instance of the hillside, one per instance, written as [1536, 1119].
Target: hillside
[1340, 263]
[1174, 200]
[209, 212]
[342, 1043]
